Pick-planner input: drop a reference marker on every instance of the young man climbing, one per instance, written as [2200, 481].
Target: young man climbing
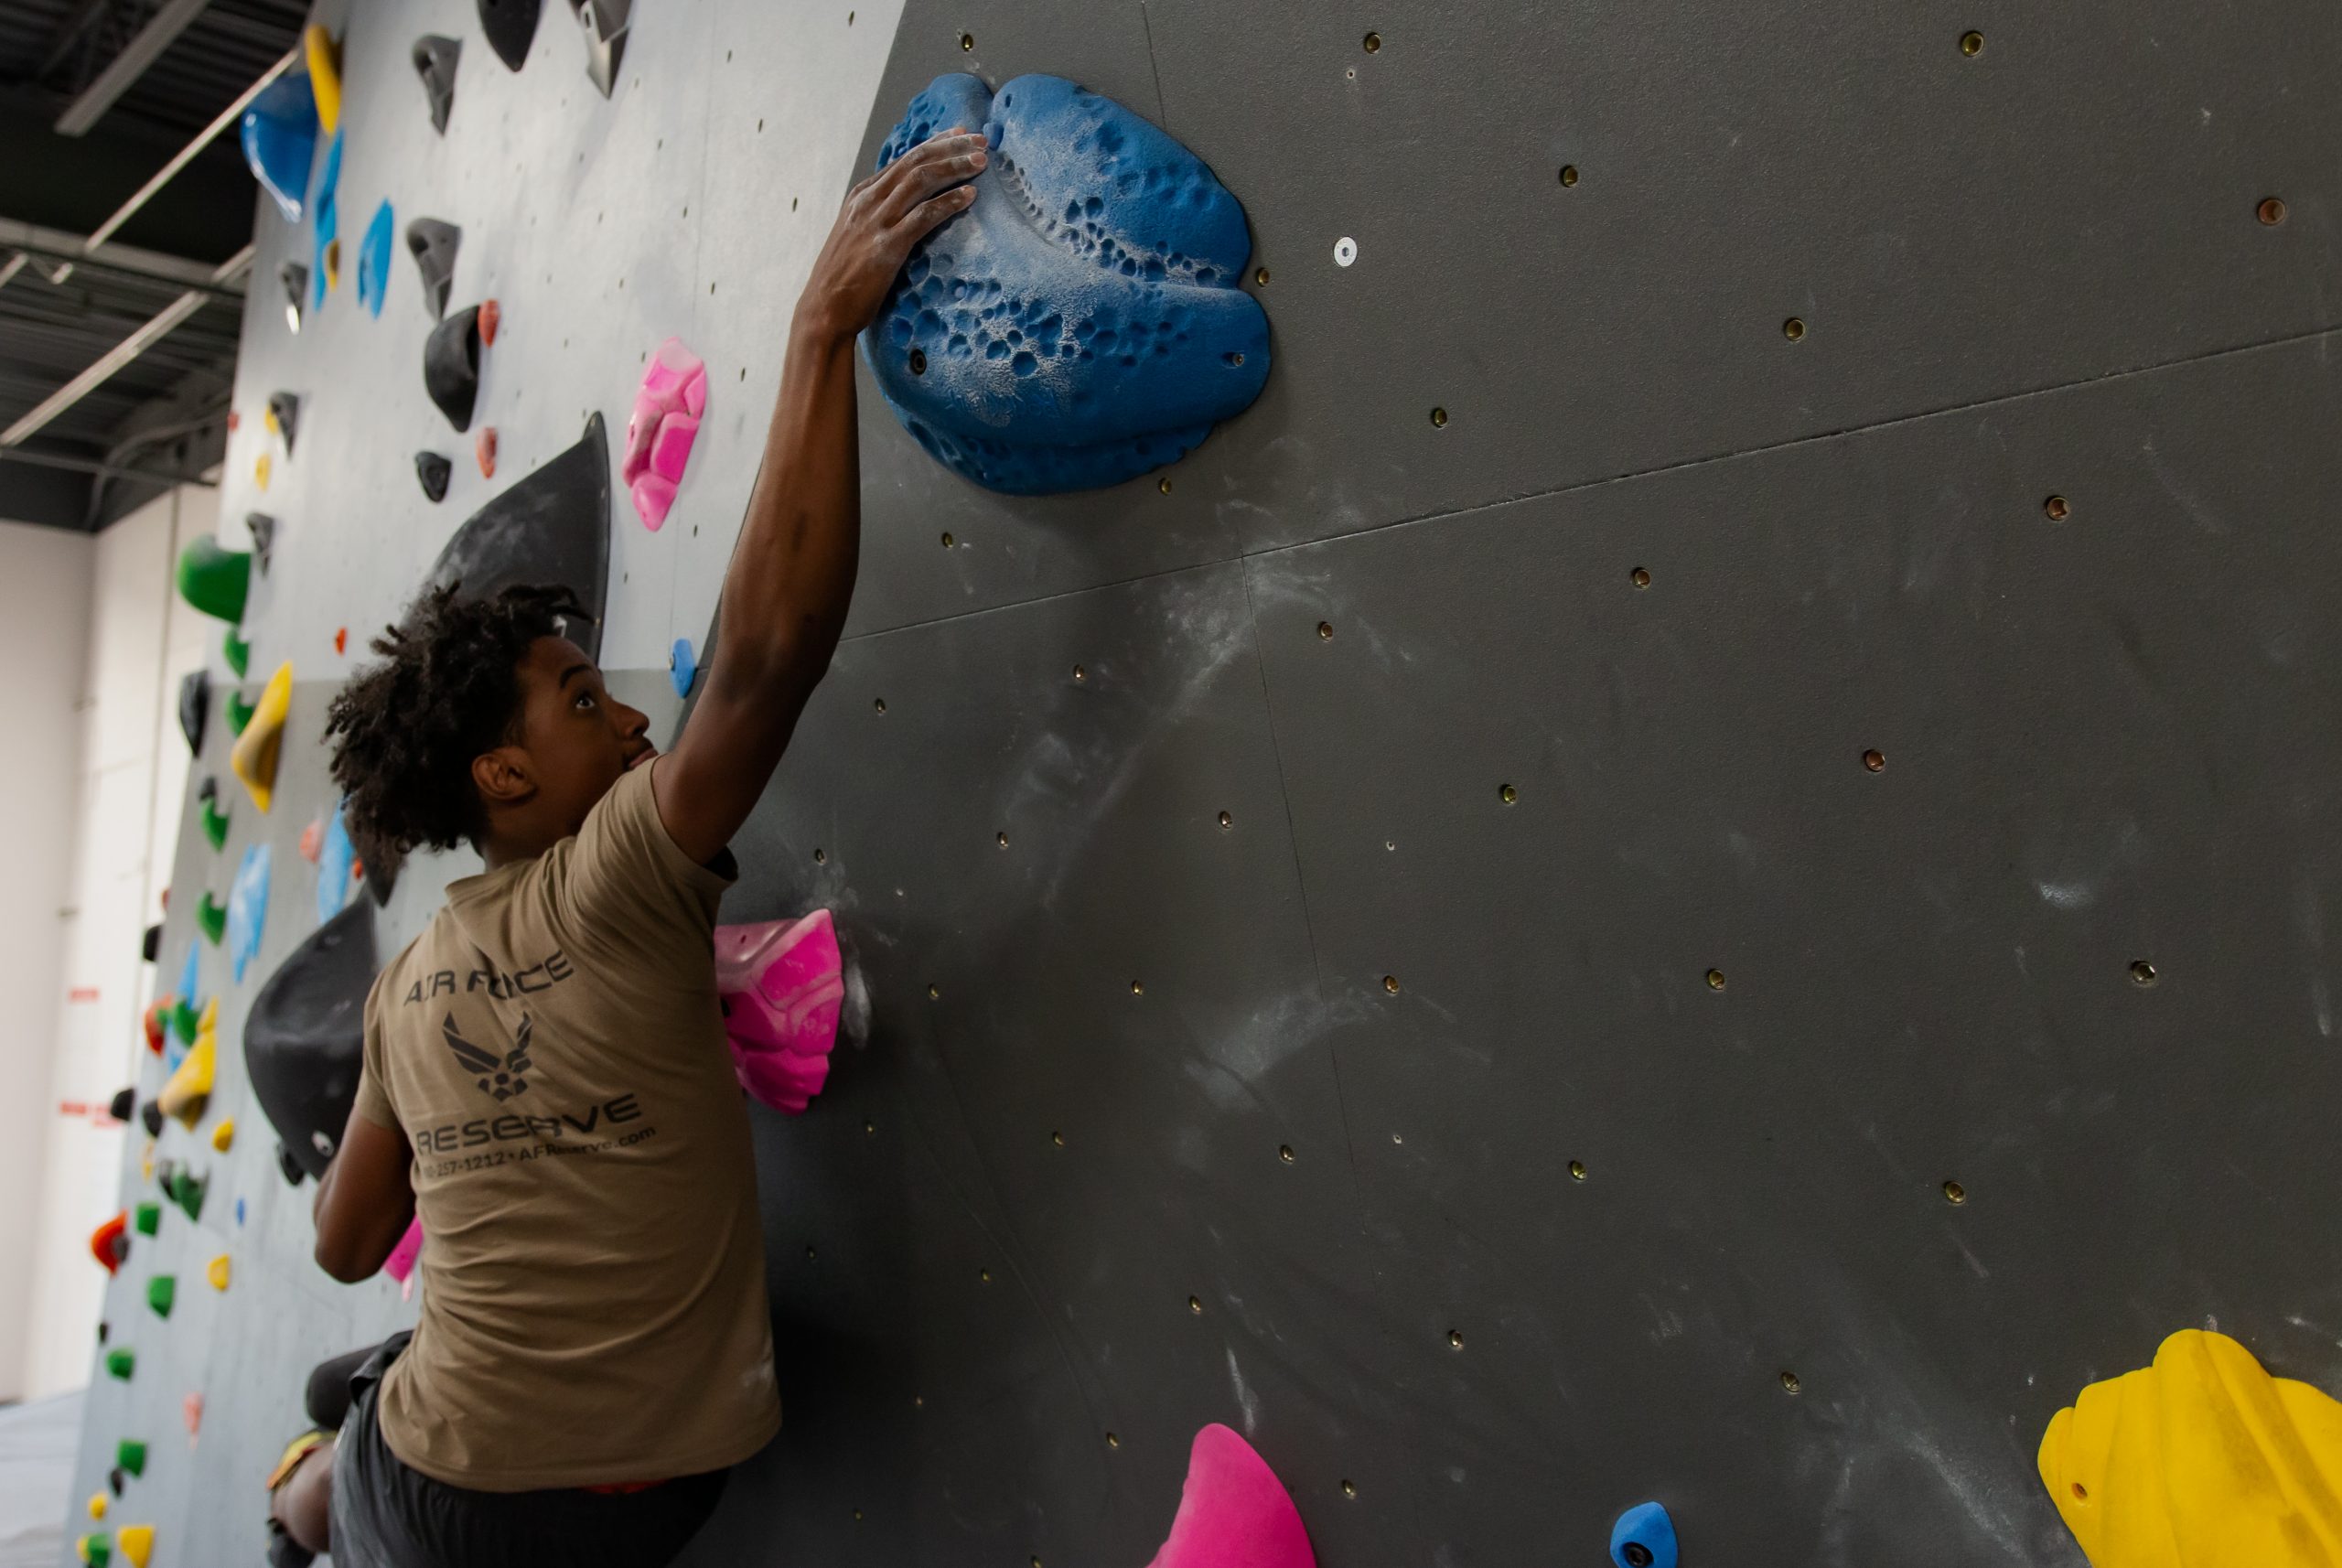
[546, 1078]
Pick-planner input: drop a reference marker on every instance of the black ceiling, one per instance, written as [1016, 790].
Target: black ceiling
[49, 52]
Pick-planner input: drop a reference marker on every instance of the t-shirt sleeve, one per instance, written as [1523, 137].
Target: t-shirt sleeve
[627, 890]
[372, 1102]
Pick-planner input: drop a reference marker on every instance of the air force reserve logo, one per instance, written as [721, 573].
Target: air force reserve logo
[501, 1075]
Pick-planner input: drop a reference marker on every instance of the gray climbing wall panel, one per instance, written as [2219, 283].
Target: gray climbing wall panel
[1331, 1047]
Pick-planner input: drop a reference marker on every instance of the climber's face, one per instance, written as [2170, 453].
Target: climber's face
[572, 743]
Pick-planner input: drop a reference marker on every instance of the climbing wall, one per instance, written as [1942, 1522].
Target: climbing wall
[1694, 864]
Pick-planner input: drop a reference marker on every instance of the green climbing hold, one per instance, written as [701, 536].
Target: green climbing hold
[215, 823]
[186, 1192]
[131, 1455]
[149, 1217]
[240, 712]
[187, 1022]
[121, 1364]
[161, 1292]
[95, 1551]
[214, 580]
[212, 916]
[239, 654]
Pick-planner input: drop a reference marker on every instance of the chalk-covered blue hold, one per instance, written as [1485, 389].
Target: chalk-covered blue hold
[1644, 1537]
[374, 262]
[279, 133]
[248, 907]
[682, 666]
[1084, 321]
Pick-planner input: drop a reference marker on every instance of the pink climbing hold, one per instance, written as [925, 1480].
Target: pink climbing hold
[313, 841]
[659, 436]
[400, 1262]
[1234, 1511]
[191, 1407]
[782, 983]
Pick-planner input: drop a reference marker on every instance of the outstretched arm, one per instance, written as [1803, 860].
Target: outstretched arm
[791, 577]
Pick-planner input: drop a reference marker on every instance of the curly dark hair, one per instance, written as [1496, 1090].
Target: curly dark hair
[405, 731]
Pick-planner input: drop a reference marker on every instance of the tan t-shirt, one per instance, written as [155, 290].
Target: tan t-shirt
[593, 1297]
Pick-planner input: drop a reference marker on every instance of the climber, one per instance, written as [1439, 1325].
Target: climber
[300, 1489]
[545, 1075]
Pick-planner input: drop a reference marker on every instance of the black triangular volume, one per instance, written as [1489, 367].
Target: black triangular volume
[305, 1039]
[435, 61]
[451, 366]
[509, 25]
[553, 527]
[433, 245]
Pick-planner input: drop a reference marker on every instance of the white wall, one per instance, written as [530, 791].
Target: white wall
[45, 577]
[122, 788]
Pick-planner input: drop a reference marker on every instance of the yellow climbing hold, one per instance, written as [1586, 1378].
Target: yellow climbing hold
[325, 76]
[255, 759]
[2201, 1458]
[216, 1271]
[137, 1542]
[259, 471]
[97, 1505]
[224, 1134]
[147, 1161]
[187, 1092]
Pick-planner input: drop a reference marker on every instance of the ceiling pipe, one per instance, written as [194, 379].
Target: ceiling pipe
[161, 31]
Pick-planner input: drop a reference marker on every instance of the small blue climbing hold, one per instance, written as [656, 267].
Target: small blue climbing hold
[337, 865]
[240, 1211]
[248, 907]
[1083, 322]
[280, 139]
[374, 262]
[328, 220]
[1644, 1537]
[682, 666]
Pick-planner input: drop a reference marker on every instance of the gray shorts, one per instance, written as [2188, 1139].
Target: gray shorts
[386, 1514]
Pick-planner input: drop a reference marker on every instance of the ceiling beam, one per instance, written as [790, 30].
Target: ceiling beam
[108, 470]
[186, 154]
[122, 353]
[161, 31]
[58, 245]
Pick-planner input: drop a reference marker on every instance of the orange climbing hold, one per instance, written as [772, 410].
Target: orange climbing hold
[341, 640]
[489, 314]
[484, 448]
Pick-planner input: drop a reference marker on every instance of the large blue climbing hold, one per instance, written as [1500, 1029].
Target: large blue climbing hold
[248, 907]
[1083, 322]
[374, 262]
[1644, 1537]
[280, 137]
[682, 666]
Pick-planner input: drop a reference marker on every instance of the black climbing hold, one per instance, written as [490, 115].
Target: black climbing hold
[102, 1331]
[603, 22]
[114, 1476]
[195, 706]
[433, 245]
[123, 1102]
[293, 1174]
[150, 1116]
[150, 946]
[435, 61]
[434, 471]
[264, 530]
[551, 527]
[451, 366]
[305, 1039]
[509, 25]
[296, 279]
[284, 411]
